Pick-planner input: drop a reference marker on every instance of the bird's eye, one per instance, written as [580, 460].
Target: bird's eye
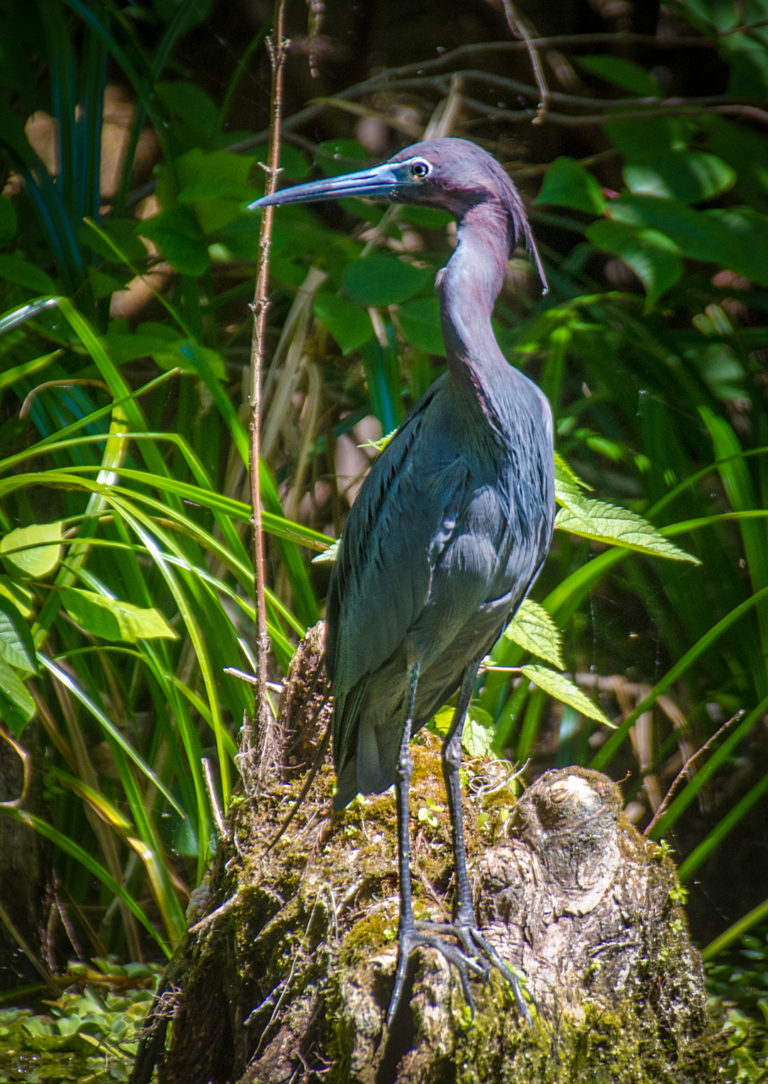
[420, 168]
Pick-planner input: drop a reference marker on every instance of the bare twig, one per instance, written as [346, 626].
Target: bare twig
[684, 770]
[267, 744]
[518, 25]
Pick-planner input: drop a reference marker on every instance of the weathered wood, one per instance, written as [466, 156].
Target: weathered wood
[289, 975]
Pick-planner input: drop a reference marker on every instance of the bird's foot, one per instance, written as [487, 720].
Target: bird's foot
[464, 957]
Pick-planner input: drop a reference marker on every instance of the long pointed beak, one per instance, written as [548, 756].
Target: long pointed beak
[381, 182]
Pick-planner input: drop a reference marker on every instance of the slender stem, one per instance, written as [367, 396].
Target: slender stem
[267, 740]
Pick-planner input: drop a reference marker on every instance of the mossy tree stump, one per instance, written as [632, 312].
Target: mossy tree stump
[287, 977]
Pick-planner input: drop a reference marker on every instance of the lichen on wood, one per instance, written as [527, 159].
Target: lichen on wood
[288, 975]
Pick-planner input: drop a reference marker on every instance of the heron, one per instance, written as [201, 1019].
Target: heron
[448, 533]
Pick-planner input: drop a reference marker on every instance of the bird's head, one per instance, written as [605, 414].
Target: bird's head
[449, 173]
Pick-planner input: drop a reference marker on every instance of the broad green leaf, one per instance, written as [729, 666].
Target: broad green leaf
[17, 706]
[563, 689]
[16, 645]
[733, 237]
[350, 325]
[650, 254]
[19, 594]
[441, 720]
[213, 175]
[293, 167]
[603, 522]
[195, 119]
[115, 620]
[568, 184]
[477, 735]
[534, 630]
[623, 73]
[690, 176]
[159, 342]
[569, 488]
[201, 360]
[419, 322]
[744, 236]
[180, 240]
[115, 240]
[692, 232]
[23, 273]
[376, 281]
[34, 551]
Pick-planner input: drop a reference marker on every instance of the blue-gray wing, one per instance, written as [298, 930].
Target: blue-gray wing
[382, 576]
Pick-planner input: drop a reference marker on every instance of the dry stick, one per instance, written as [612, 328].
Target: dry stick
[518, 25]
[678, 778]
[267, 744]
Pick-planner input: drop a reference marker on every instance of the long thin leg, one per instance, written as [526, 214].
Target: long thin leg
[403, 798]
[409, 934]
[465, 924]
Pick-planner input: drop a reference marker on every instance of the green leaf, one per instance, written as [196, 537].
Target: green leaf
[568, 184]
[115, 620]
[477, 735]
[178, 236]
[23, 273]
[534, 630]
[569, 488]
[19, 594]
[16, 645]
[115, 240]
[34, 551]
[690, 176]
[213, 175]
[419, 323]
[17, 705]
[603, 522]
[293, 167]
[733, 237]
[195, 117]
[376, 281]
[650, 254]
[350, 325]
[624, 73]
[563, 689]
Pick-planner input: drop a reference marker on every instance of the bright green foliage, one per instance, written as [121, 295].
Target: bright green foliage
[534, 630]
[125, 563]
[89, 1032]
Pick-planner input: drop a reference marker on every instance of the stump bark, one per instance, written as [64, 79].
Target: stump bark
[288, 975]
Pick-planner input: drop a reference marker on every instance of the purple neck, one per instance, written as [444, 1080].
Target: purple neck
[468, 287]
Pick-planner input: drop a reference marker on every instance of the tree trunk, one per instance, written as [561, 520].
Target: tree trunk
[288, 976]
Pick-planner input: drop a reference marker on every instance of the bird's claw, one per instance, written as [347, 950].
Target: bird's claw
[464, 959]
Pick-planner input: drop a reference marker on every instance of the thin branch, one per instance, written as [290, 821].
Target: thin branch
[266, 744]
[518, 25]
[684, 770]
